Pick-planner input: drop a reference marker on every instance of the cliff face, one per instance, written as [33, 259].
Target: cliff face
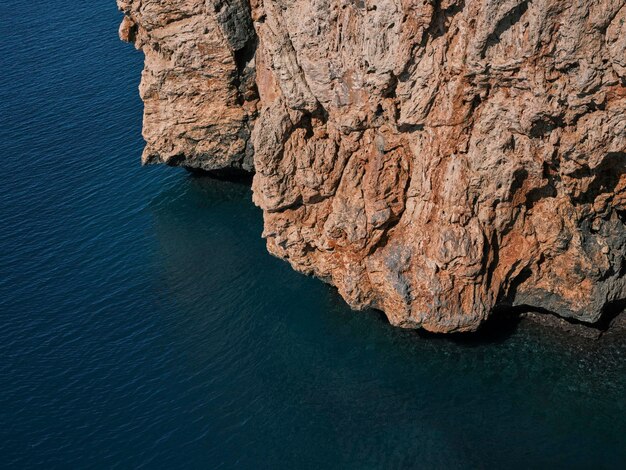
[433, 158]
[198, 80]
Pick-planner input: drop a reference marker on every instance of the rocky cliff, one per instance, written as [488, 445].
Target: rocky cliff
[433, 159]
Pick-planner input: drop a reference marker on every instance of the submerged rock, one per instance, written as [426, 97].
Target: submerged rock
[433, 159]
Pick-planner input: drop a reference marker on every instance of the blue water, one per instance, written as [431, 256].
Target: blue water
[144, 324]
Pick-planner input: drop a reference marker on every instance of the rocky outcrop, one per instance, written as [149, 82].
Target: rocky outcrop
[198, 80]
[433, 159]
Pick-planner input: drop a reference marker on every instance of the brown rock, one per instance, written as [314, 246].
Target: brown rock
[198, 80]
[432, 159]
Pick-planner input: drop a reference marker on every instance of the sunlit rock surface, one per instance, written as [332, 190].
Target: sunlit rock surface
[432, 159]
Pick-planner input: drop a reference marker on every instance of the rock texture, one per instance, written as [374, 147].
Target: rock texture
[198, 80]
[431, 158]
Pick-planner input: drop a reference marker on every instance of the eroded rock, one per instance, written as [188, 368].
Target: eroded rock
[432, 159]
[198, 80]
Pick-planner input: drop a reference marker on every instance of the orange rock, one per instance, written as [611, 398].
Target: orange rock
[434, 160]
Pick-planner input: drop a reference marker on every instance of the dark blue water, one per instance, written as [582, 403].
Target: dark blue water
[144, 324]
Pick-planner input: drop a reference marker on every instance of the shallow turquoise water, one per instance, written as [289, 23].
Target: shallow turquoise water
[144, 324]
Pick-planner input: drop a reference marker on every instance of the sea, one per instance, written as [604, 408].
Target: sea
[144, 325]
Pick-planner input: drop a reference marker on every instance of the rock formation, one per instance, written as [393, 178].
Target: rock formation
[431, 158]
[198, 81]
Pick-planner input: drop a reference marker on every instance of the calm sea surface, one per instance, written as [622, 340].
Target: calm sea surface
[143, 324]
